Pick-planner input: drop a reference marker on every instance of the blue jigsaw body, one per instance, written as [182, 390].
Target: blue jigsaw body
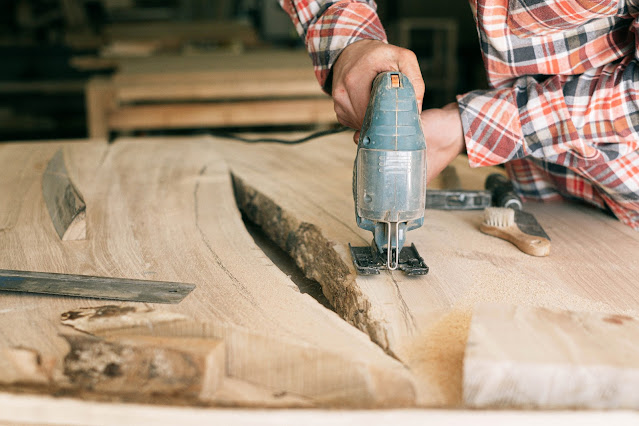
[389, 177]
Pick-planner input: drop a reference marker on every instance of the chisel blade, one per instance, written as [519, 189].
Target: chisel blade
[527, 224]
[94, 287]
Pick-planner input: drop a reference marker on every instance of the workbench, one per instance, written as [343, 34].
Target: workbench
[168, 209]
[224, 89]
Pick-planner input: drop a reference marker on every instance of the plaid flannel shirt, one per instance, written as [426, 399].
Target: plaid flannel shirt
[563, 109]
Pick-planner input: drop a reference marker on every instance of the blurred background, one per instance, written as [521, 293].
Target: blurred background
[79, 68]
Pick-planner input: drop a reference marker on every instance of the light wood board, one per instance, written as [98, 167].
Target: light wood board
[165, 210]
[29, 409]
[302, 197]
[250, 113]
[206, 64]
[273, 73]
[264, 87]
[534, 357]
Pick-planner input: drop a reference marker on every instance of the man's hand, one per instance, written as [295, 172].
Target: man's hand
[355, 70]
[444, 136]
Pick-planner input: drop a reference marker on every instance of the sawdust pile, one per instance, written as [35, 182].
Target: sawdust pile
[436, 358]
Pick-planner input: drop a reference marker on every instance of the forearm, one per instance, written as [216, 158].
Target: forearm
[577, 136]
[327, 27]
[573, 121]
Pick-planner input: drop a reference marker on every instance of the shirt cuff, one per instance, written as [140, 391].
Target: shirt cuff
[342, 24]
[492, 129]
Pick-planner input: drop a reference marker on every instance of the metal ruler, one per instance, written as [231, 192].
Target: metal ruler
[457, 199]
[94, 287]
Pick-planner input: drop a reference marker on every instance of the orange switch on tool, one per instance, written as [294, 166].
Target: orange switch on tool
[394, 80]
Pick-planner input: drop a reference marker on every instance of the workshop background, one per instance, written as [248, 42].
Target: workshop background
[52, 49]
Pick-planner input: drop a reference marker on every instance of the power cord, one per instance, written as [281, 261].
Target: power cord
[307, 138]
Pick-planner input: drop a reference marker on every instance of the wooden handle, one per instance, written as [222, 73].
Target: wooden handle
[529, 244]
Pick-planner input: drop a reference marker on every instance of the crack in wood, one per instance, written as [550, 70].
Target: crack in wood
[316, 256]
[409, 319]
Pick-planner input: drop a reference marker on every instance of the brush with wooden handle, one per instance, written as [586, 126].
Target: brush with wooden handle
[500, 222]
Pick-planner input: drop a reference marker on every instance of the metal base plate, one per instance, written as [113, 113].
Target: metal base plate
[368, 261]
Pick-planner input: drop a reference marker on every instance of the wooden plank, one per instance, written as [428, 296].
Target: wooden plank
[31, 409]
[233, 87]
[64, 203]
[165, 210]
[533, 357]
[250, 62]
[99, 101]
[245, 113]
[142, 366]
[210, 75]
[172, 91]
[269, 73]
[306, 206]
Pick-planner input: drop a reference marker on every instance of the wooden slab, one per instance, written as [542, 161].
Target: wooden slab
[252, 61]
[534, 357]
[165, 210]
[134, 366]
[253, 113]
[221, 89]
[270, 73]
[306, 206]
[30, 409]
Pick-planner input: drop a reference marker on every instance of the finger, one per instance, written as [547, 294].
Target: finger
[360, 95]
[344, 117]
[344, 108]
[410, 67]
[356, 137]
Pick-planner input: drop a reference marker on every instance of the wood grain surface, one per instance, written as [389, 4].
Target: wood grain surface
[306, 206]
[521, 356]
[30, 409]
[220, 89]
[165, 210]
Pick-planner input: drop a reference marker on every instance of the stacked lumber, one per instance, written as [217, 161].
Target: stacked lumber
[209, 90]
[148, 38]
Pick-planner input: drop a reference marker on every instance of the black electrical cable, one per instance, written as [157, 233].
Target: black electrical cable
[307, 138]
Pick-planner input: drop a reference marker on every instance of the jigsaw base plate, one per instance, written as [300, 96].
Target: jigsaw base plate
[369, 261]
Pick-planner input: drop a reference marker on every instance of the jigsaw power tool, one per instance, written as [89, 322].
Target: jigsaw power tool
[389, 177]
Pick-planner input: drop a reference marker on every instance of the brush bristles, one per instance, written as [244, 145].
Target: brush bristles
[499, 217]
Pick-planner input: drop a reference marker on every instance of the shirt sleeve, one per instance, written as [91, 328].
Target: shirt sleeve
[584, 127]
[327, 27]
[574, 121]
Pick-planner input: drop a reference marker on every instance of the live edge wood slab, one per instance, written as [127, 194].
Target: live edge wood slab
[302, 197]
[167, 209]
